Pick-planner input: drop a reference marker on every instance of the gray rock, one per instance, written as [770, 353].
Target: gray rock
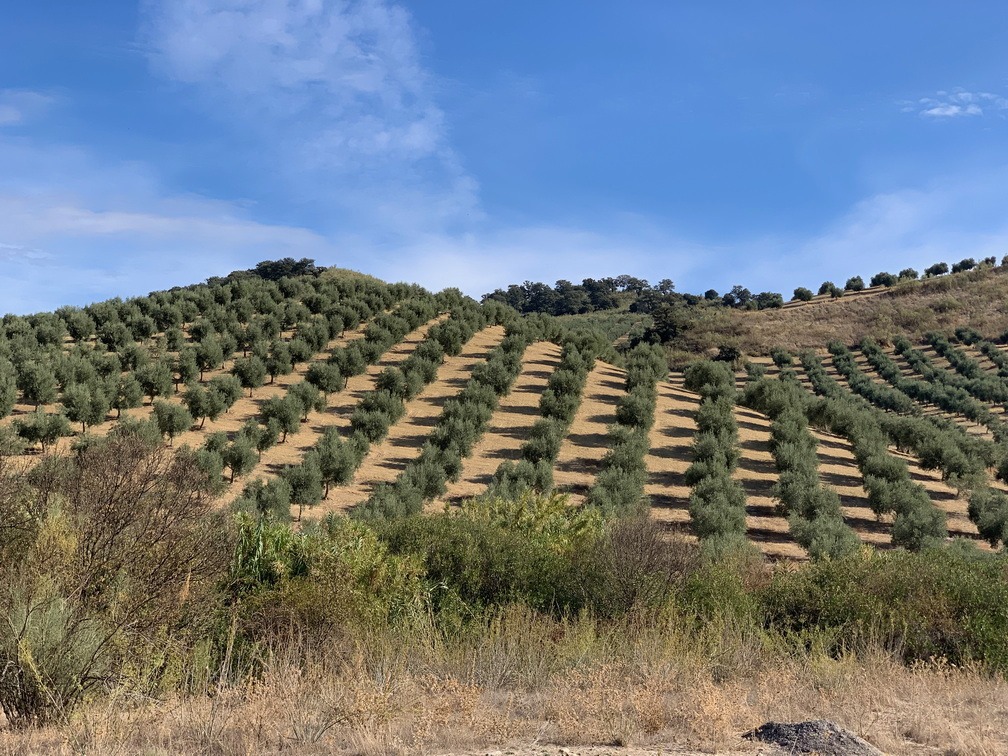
[817, 737]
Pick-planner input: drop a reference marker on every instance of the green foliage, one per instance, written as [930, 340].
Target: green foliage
[802, 294]
[155, 379]
[937, 603]
[305, 481]
[42, 428]
[855, 283]
[171, 418]
[86, 404]
[37, 383]
[239, 456]
[250, 371]
[988, 509]
[285, 412]
[111, 571]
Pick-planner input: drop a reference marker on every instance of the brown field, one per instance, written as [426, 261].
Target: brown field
[974, 299]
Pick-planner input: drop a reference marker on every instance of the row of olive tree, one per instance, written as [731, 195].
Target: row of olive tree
[460, 425]
[619, 485]
[812, 509]
[379, 409]
[938, 443]
[883, 395]
[940, 387]
[982, 384]
[886, 478]
[557, 406]
[717, 501]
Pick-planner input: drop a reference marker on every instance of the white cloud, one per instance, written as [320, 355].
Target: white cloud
[18, 106]
[335, 94]
[955, 217]
[74, 229]
[957, 104]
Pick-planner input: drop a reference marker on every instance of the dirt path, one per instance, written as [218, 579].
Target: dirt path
[338, 410]
[669, 456]
[587, 440]
[509, 427]
[757, 473]
[406, 437]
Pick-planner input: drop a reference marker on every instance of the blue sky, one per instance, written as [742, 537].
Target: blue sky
[477, 144]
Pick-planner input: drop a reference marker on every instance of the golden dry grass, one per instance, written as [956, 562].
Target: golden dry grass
[528, 682]
[974, 299]
[587, 439]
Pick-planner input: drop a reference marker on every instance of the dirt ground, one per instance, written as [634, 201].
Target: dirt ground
[509, 427]
[406, 437]
[587, 440]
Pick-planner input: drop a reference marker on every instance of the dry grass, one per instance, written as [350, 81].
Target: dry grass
[524, 680]
[974, 299]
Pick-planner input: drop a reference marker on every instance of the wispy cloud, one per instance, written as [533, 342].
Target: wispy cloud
[18, 106]
[957, 104]
[335, 92]
[954, 217]
[75, 228]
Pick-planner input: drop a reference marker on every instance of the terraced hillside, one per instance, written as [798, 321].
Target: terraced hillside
[337, 394]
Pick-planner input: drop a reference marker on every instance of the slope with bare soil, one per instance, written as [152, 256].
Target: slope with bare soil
[339, 407]
[757, 473]
[911, 309]
[587, 440]
[509, 427]
[385, 460]
[669, 455]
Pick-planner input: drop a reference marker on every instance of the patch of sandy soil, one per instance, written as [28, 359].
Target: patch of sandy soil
[509, 426]
[406, 437]
[838, 469]
[757, 473]
[669, 456]
[587, 439]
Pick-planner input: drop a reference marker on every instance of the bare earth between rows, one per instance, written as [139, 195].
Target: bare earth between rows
[509, 426]
[385, 460]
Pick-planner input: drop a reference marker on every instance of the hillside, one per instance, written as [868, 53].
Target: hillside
[974, 299]
[367, 435]
[429, 485]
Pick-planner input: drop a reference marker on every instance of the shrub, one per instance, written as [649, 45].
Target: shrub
[855, 283]
[113, 574]
[802, 294]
